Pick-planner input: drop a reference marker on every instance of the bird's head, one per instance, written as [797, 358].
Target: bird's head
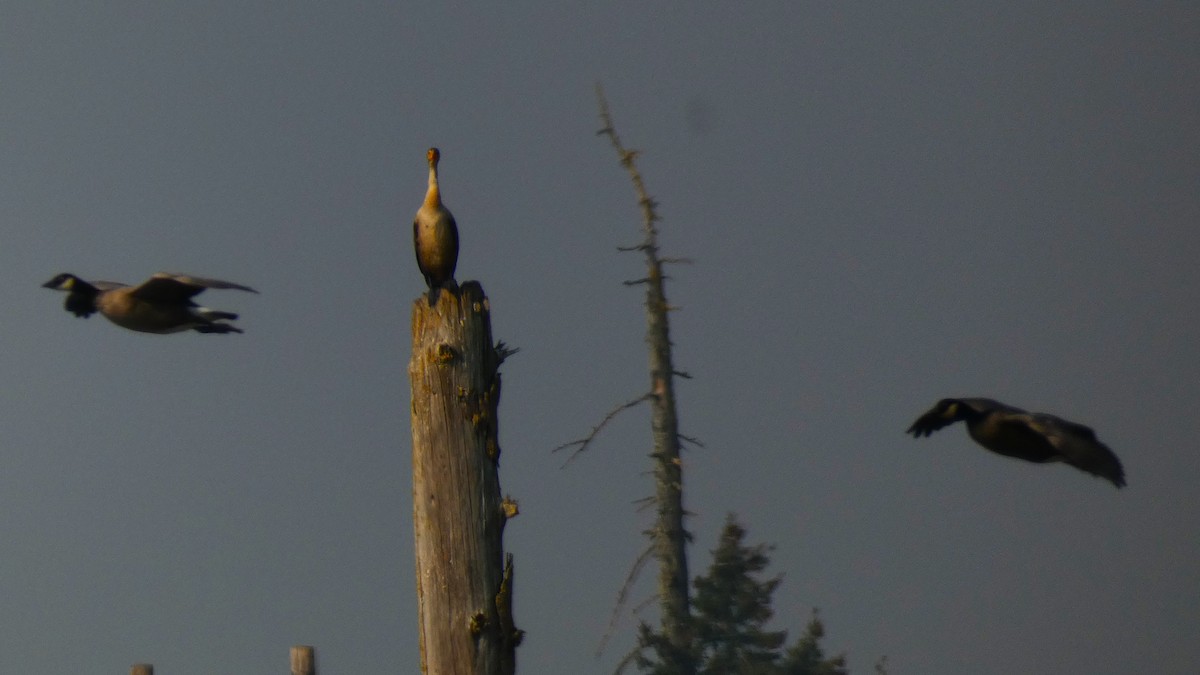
[81, 296]
[944, 413]
[63, 282]
[950, 409]
[433, 155]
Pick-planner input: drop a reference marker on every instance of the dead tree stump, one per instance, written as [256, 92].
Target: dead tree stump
[464, 583]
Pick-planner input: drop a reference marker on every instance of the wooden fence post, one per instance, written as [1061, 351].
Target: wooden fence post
[464, 584]
[304, 660]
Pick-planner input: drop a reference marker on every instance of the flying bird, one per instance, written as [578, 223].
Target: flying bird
[435, 235]
[1034, 437]
[160, 304]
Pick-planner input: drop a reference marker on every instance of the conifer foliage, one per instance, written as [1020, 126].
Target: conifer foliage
[731, 609]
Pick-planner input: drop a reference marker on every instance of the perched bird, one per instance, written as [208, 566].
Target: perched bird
[435, 235]
[1035, 437]
[160, 304]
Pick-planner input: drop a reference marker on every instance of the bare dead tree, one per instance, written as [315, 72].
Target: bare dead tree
[668, 538]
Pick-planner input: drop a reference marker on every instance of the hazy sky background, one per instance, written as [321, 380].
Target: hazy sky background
[887, 203]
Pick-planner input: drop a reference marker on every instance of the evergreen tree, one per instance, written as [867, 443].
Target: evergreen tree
[732, 605]
[806, 656]
[656, 655]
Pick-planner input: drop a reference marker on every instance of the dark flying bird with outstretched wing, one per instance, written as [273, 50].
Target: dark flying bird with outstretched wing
[1034, 437]
[161, 304]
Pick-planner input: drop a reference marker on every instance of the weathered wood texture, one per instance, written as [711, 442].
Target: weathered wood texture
[141, 669]
[303, 659]
[464, 584]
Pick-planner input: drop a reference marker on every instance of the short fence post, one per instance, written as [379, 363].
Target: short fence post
[304, 660]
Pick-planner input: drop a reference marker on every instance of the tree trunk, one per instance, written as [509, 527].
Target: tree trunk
[464, 585]
[670, 540]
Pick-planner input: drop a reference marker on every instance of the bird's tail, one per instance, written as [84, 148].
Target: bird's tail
[214, 314]
[218, 328]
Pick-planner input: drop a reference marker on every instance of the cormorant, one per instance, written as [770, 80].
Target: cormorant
[435, 235]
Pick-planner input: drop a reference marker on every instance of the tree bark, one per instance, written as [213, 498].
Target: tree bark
[464, 584]
[670, 540]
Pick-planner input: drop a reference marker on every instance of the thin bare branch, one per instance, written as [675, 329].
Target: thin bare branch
[641, 606]
[628, 659]
[694, 441]
[635, 571]
[683, 373]
[584, 442]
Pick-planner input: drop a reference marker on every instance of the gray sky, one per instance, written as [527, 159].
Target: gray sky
[887, 204]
